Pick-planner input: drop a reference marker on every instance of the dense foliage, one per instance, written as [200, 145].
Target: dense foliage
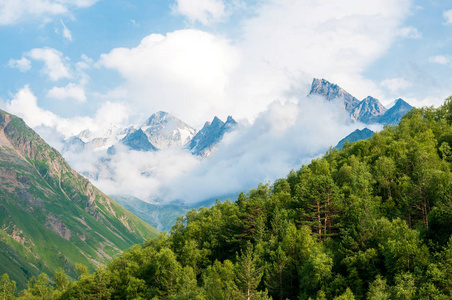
[372, 221]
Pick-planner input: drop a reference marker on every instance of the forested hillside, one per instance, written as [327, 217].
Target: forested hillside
[371, 221]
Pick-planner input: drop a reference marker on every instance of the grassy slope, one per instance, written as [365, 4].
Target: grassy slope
[52, 217]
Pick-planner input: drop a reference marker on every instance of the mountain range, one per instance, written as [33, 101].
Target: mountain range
[50, 216]
[161, 131]
[367, 111]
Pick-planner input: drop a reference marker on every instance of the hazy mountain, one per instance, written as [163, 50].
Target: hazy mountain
[50, 216]
[355, 136]
[96, 139]
[205, 140]
[367, 111]
[138, 140]
[160, 216]
[395, 113]
[165, 130]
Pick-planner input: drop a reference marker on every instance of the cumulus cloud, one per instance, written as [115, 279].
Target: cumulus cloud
[12, 12]
[22, 64]
[448, 16]
[396, 84]
[69, 92]
[293, 41]
[281, 48]
[54, 63]
[410, 33]
[440, 59]
[185, 72]
[25, 105]
[203, 11]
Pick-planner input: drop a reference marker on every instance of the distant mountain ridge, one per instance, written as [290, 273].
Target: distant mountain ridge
[161, 131]
[367, 111]
[355, 136]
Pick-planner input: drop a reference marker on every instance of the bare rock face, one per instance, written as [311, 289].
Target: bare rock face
[368, 111]
[56, 225]
[333, 92]
[210, 135]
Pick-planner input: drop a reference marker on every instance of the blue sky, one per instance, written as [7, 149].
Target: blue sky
[77, 58]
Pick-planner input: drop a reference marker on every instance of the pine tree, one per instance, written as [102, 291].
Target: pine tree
[248, 275]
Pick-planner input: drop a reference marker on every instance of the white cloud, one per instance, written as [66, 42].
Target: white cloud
[65, 32]
[410, 33]
[284, 45]
[134, 23]
[396, 84]
[110, 113]
[281, 138]
[185, 72]
[448, 16]
[69, 92]
[25, 105]
[440, 59]
[22, 64]
[54, 62]
[203, 11]
[15, 11]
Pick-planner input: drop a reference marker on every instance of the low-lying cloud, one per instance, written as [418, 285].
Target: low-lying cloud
[282, 138]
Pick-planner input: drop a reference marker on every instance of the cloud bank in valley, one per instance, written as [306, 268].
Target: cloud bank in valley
[281, 138]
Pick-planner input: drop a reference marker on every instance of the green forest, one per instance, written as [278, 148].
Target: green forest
[371, 221]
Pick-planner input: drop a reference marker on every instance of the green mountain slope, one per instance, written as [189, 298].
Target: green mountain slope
[50, 216]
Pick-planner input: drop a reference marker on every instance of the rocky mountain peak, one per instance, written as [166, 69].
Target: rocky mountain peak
[165, 130]
[204, 141]
[159, 118]
[230, 120]
[216, 122]
[368, 110]
[402, 103]
[331, 92]
[395, 113]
